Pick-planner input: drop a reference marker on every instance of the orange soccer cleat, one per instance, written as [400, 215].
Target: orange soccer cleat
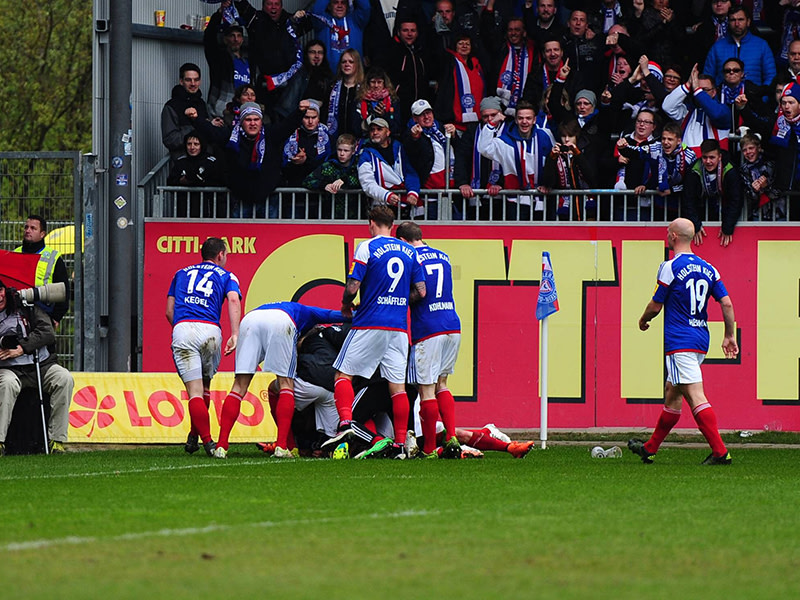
[519, 449]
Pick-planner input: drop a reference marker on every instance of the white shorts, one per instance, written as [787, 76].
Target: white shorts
[327, 419]
[365, 349]
[433, 357]
[684, 367]
[196, 350]
[269, 336]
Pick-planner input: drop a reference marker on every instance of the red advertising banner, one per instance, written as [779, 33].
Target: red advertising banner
[603, 371]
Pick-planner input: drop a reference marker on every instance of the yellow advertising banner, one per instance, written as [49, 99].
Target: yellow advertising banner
[152, 408]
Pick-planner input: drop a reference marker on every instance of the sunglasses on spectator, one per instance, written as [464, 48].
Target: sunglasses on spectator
[733, 70]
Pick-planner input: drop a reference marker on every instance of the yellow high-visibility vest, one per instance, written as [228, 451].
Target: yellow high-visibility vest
[46, 265]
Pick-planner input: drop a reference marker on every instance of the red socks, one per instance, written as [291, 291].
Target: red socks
[481, 439]
[343, 395]
[400, 411]
[666, 421]
[284, 412]
[230, 412]
[198, 414]
[707, 424]
[428, 415]
[447, 409]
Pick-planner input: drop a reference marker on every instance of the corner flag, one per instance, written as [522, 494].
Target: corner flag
[547, 304]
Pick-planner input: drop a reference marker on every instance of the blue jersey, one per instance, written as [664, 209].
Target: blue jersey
[199, 291]
[305, 317]
[387, 268]
[685, 285]
[436, 313]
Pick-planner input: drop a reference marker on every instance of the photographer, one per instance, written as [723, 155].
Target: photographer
[23, 331]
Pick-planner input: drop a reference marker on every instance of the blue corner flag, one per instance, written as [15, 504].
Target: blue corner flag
[547, 304]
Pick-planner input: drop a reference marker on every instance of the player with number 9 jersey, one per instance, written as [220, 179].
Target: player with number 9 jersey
[685, 285]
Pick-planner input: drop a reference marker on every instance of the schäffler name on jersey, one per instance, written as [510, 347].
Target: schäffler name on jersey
[392, 300]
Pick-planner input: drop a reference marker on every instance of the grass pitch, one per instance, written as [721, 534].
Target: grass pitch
[158, 523]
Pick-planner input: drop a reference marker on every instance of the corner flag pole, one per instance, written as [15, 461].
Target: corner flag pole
[546, 305]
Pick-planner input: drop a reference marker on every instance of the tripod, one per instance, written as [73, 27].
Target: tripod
[28, 309]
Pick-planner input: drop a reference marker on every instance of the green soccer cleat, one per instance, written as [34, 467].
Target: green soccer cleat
[56, 447]
[718, 460]
[432, 455]
[342, 452]
[451, 448]
[377, 450]
[284, 453]
[636, 446]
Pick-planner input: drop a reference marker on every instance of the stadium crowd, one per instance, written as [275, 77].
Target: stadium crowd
[693, 108]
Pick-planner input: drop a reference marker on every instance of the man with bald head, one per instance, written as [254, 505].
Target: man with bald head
[685, 284]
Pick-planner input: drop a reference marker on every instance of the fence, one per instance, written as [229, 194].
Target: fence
[47, 184]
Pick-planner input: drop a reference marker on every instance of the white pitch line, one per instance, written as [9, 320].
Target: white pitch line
[79, 540]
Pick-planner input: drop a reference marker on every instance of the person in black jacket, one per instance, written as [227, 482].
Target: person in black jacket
[195, 168]
[252, 154]
[228, 61]
[713, 189]
[182, 109]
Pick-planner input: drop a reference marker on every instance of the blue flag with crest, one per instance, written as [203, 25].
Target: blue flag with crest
[547, 304]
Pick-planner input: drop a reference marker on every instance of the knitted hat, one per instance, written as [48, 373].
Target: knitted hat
[314, 105]
[792, 89]
[250, 108]
[589, 95]
[655, 69]
[491, 103]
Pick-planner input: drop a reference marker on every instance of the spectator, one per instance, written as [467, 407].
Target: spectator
[521, 150]
[608, 14]
[695, 104]
[342, 116]
[638, 154]
[336, 174]
[543, 24]
[790, 30]
[545, 75]
[712, 29]
[566, 169]
[377, 99]
[754, 52]
[251, 154]
[619, 47]
[428, 145]
[660, 31]
[764, 202]
[461, 87]
[626, 97]
[584, 53]
[407, 66]
[244, 93]
[313, 80]
[473, 171]
[195, 168]
[50, 268]
[512, 60]
[713, 189]
[384, 171]
[182, 109]
[275, 49]
[227, 58]
[674, 163]
[340, 25]
[307, 148]
[34, 332]
[785, 146]
[792, 68]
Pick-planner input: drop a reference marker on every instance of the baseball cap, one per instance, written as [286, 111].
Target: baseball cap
[379, 122]
[419, 107]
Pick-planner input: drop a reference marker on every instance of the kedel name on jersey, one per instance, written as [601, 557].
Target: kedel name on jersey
[392, 300]
[692, 268]
[390, 247]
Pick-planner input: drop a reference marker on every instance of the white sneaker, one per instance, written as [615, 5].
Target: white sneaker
[412, 448]
[220, 452]
[283, 453]
[496, 433]
[470, 452]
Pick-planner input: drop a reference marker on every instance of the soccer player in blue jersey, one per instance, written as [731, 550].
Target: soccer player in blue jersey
[436, 337]
[685, 285]
[194, 306]
[388, 275]
[269, 333]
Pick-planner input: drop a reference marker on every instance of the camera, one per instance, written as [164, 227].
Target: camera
[9, 342]
[49, 293]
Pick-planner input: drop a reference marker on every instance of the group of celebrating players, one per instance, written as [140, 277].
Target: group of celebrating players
[358, 372]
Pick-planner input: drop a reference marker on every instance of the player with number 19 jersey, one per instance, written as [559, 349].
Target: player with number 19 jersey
[199, 291]
[685, 284]
[387, 268]
[436, 313]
